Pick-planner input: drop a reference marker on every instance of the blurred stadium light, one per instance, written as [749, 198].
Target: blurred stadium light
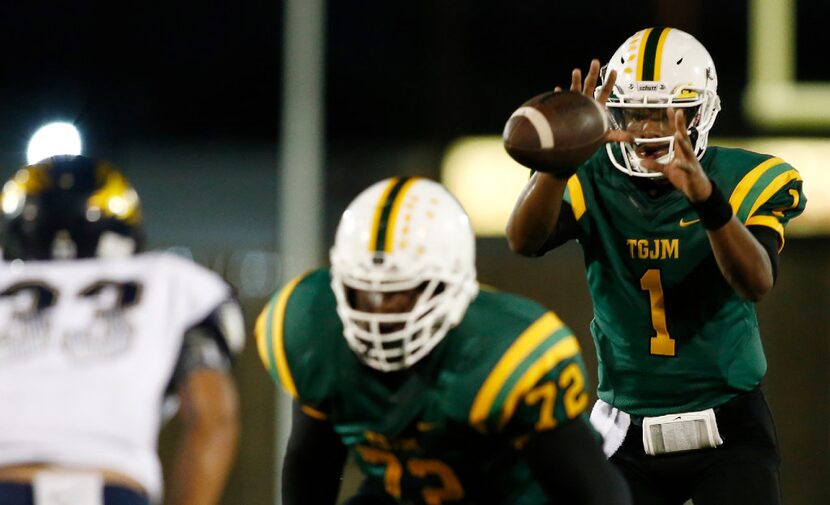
[479, 172]
[486, 181]
[53, 139]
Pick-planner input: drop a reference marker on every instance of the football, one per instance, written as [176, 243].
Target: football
[555, 132]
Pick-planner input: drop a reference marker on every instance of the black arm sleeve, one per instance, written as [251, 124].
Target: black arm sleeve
[204, 346]
[313, 462]
[769, 241]
[566, 229]
[569, 463]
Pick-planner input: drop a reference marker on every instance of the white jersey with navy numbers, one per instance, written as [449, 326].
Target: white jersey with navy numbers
[87, 348]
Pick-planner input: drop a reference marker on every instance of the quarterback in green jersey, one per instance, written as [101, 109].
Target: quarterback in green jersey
[444, 393]
[679, 241]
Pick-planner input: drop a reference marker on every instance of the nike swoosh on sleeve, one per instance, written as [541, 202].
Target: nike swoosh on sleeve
[684, 223]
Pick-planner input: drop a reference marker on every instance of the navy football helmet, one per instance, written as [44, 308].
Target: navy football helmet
[68, 207]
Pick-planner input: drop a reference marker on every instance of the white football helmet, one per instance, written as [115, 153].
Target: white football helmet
[402, 234]
[659, 68]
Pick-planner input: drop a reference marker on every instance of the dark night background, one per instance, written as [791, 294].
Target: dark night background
[186, 70]
[185, 96]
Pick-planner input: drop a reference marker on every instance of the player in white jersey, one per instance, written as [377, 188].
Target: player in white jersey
[94, 336]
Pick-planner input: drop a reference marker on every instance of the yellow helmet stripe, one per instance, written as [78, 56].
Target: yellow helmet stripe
[641, 53]
[651, 49]
[393, 216]
[386, 213]
[658, 58]
[379, 211]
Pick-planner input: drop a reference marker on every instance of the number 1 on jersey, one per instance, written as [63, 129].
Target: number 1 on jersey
[661, 343]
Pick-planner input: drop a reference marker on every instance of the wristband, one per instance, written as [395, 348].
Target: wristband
[715, 211]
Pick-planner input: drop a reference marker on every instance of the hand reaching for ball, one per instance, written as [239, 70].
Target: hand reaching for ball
[557, 131]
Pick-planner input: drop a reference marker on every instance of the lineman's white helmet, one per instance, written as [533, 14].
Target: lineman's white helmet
[403, 234]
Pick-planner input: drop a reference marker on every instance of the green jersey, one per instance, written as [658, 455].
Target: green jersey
[452, 428]
[671, 334]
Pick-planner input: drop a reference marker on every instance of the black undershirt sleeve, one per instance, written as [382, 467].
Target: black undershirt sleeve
[571, 467]
[204, 346]
[313, 462]
[768, 238]
[566, 229]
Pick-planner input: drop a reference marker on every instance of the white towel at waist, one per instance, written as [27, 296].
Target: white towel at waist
[612, 424]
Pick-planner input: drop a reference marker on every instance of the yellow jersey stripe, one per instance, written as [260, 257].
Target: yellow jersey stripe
[534, 335]
[259, 332]
[277, 341]
[263, 338]
[379, 212]
[577, 197]
[659, 57]
[779, 182]
[769, 222]
[736, 199]
[487, 287]
[641, 53]
[314, 413]
[566, 348]
[396, 207]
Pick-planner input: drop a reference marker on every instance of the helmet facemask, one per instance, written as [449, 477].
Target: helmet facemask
[394, 340]
[700, 113]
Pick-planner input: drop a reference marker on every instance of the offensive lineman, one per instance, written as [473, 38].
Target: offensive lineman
[443, 393]
[94, 335]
